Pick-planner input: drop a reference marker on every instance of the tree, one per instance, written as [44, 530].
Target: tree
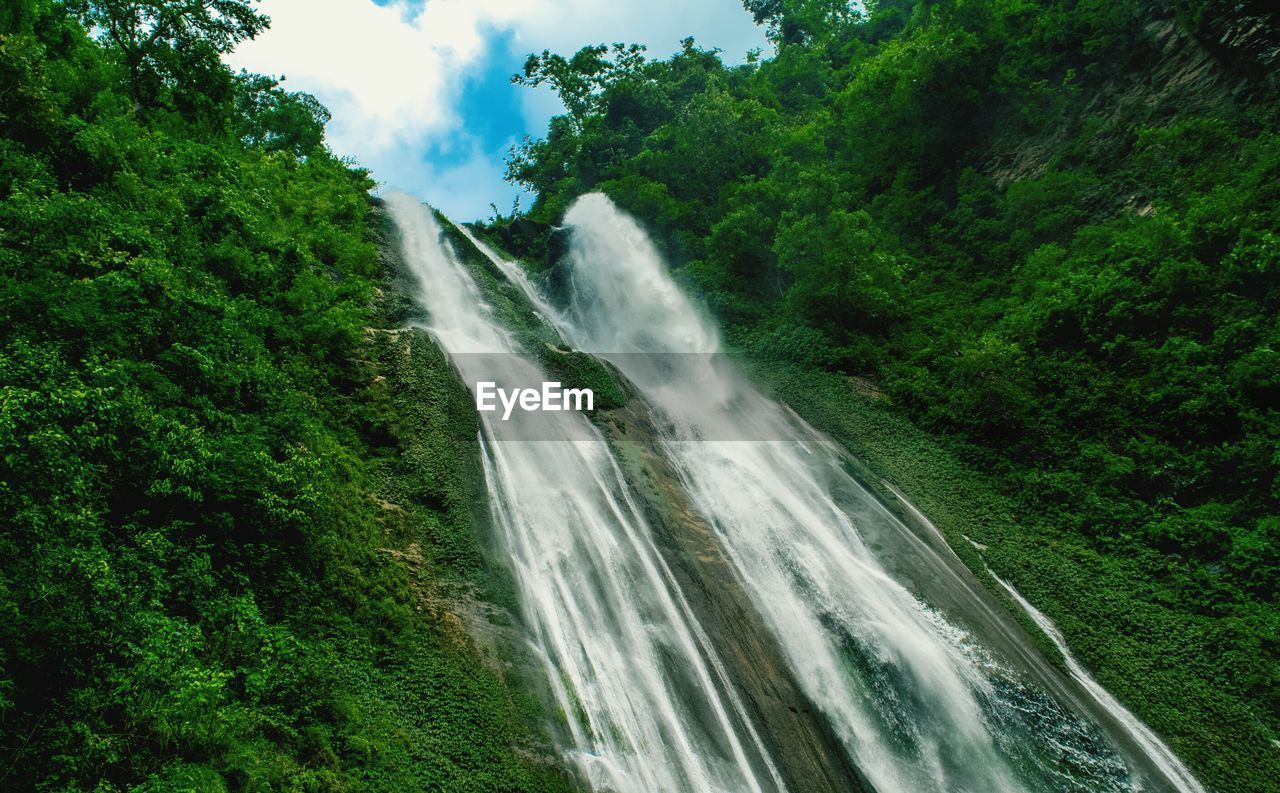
[764, 12]
[580, 80]
[797, 21]
[278, 120]
[164, 41]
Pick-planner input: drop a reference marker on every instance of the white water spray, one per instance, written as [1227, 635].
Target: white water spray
[917, 704]
[644, 695]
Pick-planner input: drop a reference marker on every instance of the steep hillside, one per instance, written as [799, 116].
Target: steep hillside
[1044, 234]
[1022, 259]
[238, 545]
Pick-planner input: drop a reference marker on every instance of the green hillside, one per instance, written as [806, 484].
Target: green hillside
[1046, 235]
[1021, 258]
[239, 550]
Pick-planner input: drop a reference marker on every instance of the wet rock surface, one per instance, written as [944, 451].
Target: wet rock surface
[806, 751]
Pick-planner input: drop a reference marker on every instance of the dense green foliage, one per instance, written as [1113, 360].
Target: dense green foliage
[238, 547]
[1050, 233]
[236, 537]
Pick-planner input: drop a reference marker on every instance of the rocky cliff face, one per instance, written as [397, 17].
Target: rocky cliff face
[1246, 34]
[1177, 65]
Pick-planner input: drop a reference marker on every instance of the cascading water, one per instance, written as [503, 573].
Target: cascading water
[917, 703]
[642, 690]
[1170, 766]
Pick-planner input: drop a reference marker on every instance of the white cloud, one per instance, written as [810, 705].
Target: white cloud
[387, 73]
[392, 75]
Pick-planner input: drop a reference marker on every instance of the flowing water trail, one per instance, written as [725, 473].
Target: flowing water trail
[1170, 765]
[643, 692]
[918, 703]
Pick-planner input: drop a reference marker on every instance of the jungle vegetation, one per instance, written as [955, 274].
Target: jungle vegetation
[1023, 256]
[237, 536]
[1047, 234]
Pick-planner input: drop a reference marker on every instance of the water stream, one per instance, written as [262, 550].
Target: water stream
[644, 694]
[918, 701]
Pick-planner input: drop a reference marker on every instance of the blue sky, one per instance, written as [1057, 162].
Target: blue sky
[420, 91]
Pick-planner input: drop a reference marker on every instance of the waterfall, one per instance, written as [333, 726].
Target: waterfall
[643, 693]
[918, 703]
[1172, 767]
